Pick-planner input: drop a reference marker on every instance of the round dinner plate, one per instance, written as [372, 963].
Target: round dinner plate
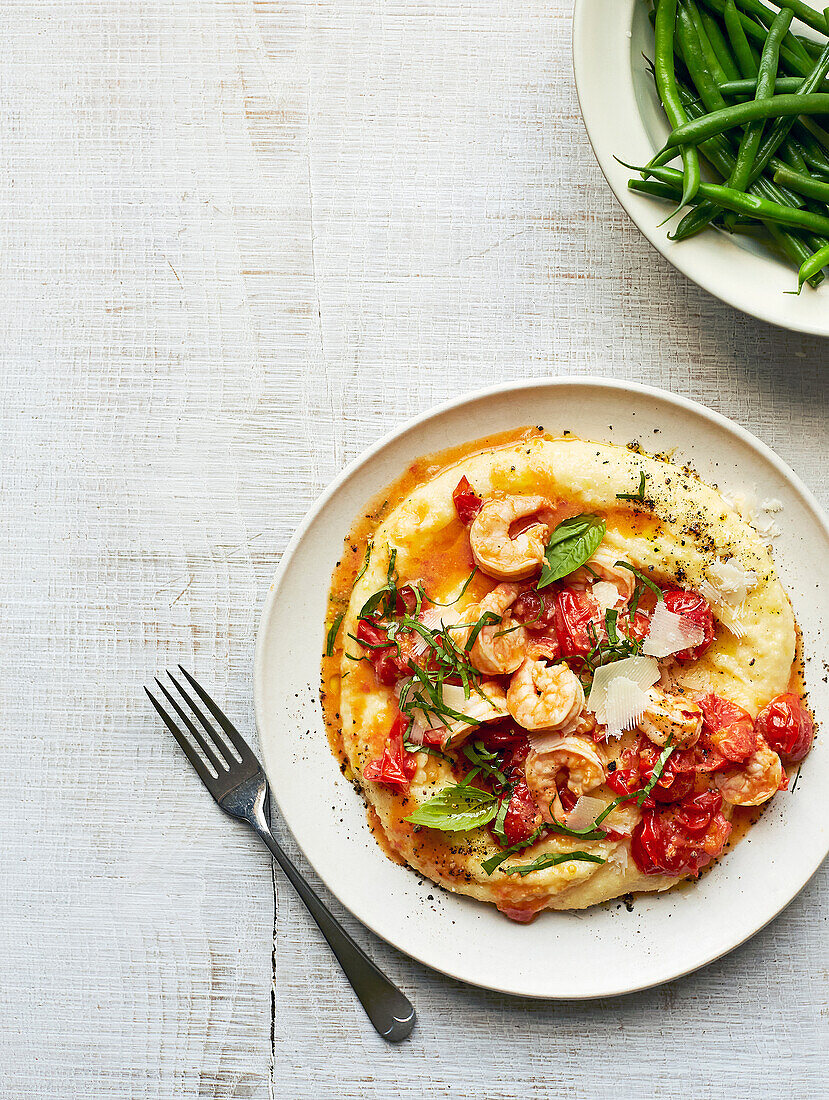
[624, 118]
[595, 952]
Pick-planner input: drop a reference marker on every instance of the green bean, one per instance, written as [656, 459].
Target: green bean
[719, 45]
[694, 59]
[666, 86]
[740, 44]
[750, 143]
[803, 11]
[796, 250]
[759, 33]
[803, 184]
[813, 266]
[712, 63]
[751, 205]
[782, 85]
[656, 189]
[776, 106]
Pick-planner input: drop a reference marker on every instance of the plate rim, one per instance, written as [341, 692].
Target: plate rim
[687, 258]
[594, 382]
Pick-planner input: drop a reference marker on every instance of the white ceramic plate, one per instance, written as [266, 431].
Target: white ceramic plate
[600, 951]
[624, 118]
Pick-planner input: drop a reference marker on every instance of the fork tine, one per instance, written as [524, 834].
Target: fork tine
[216, 760]
[188, 750]
[234, 737]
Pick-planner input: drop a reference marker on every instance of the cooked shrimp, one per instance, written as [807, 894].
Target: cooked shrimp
[495, 551]
[603, 565]
[487, 703]
[670, 717]
[551, 756]
[755, 781]
[541, 696]
[499, 647]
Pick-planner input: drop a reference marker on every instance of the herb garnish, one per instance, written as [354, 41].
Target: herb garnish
[332, 635]
[481, 759]
[648, 583]
[570, 545]
[369, 548]
[456, 809]
[489, 865]
[639, 495]
[552, 859]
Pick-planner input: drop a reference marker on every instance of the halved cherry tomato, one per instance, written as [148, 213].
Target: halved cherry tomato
[535, 610]
[727, 728]
[638, 629]
[395, 767]
[696, 608]
[675, 782]
[696, 813]
[786, 726]
[390, 665]
[467, 502]
[406, 600]
[522, 817]
[579, 621]
[661, 845]
[502, 736]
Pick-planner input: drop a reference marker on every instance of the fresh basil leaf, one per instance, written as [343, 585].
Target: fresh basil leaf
[569, 546]
[332, 635]
[456, 810]
[551, 860]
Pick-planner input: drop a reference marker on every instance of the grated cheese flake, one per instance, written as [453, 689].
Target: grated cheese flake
[670, 633]
[642, 671]
[624, 706]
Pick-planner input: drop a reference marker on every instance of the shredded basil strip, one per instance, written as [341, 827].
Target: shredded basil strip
[551, 860]
[490, 864]
[639, 495]
[456, 809]
[477, 755]
[570, 545]
[591, 833]
[485, 619]
[369, 547]
[657, 772]
[332, 635]
[648, 583]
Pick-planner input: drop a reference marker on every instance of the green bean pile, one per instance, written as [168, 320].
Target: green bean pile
[742, 91]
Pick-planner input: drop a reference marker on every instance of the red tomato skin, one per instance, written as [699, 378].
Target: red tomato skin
[661, 845]
[696, 813]
[395, 767]
[786, 726]
[467, 502]
[675, 782]
[727, 728]
[578, 620]
[522, 817]
[697, 609]
[535, 610]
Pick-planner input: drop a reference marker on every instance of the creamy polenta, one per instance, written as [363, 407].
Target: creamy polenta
[561, 670]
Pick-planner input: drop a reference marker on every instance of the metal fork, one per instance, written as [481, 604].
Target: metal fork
[238, 784]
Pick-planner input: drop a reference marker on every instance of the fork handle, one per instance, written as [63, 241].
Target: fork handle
[388, 1008]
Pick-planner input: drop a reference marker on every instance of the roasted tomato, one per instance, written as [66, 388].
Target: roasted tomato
[662, 843]
[503, 737]
[390, 661]
[467, 502]
[535, 610]
[786, 726]
[696, 608]
[522, 817]
[395, 767]
[579, 621]
[676, 780]
[727, 728]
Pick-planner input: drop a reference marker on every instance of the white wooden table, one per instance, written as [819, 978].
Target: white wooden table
[239, 241]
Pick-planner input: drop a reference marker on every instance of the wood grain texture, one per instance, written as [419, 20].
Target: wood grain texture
[241, 240]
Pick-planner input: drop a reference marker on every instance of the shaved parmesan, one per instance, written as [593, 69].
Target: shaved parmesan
[669, 633]
[585, 812]
[619, 856]
[624, 705]
[772, 504]
[434, 619]
[730, 581]
[606, 593]
[642, 671]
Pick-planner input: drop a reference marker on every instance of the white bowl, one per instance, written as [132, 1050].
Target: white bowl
[600, 951]
[624, 118]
